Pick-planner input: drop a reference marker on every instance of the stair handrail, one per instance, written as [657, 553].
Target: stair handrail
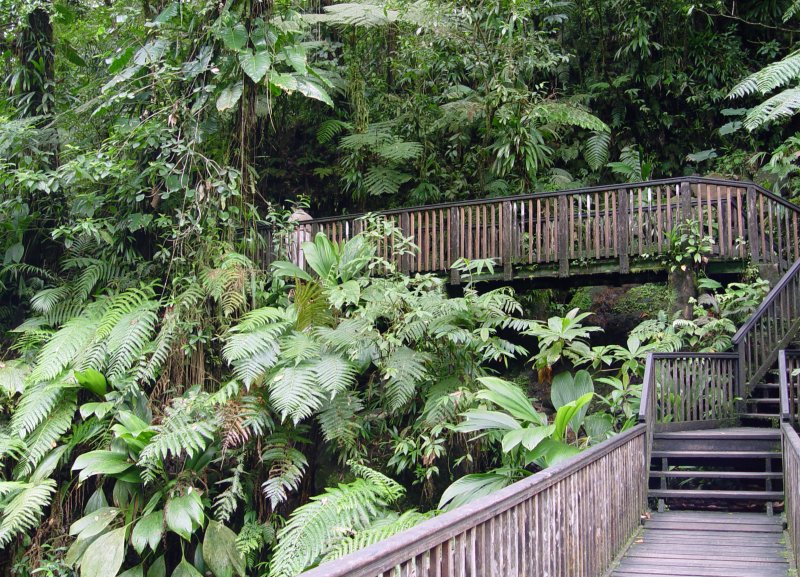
[755, 362]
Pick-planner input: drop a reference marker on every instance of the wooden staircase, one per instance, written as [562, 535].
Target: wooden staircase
[717, 468]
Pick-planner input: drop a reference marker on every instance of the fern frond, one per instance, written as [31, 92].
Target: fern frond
[403, 370]
[563, 113]
[286, 468]
[44, 437]
[381, 180]
[130, 336]
[783, 105]
[35, 406]
[596, 149]
[66, 345]
[46, 299]
[355, 14]
[226, 503]
[339, 419]
[23, 512]
[294, 392]
[378, 531]
[330, 129]
[770, 77]
[313, 528]
[184, 430]
[334, 373]
[399, 151]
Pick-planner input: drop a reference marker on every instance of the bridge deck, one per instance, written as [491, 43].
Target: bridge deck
[707, 544]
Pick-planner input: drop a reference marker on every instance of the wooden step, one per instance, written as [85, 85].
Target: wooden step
[728, 433]
[760, 416]
[716, 454]
[716, 475]
[727, 495]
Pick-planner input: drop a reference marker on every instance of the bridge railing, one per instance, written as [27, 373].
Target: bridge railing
[689, 388]
[769, 329]
[571, 519]
[603, 224]
[789, 383]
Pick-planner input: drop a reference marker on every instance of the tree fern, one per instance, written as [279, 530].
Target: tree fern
[399, 151]
[23, 506]
[73, 339]
[127, 340]
[564, 113]
[783, 105]
[775, 75]
[339, 421]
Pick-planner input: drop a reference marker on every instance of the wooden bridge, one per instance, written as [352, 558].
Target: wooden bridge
[617, 229]
[713, 428]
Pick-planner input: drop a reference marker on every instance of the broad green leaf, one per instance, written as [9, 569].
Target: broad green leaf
[186, 569]
[598, 425]
[471, 487]
[100, 463]
[94, 523]
[284, 82]
[148, 531]
[220, 552]
[137, 571]
[311, 89]
[235, 38]
[566, 414]
[255, 65]
[529, 437]
[552, 452]
[229, 96]
[510, 398]
[296, 56]
[104, 557]
[567, 388]
[482, 420]
[158, 568]
[93, 381]
[77, 549]
[99, 410]
[283, 268]
[121, 60]
[185, 513]
[14, 254]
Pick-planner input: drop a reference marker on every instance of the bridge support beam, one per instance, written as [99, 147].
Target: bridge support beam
[684, 284]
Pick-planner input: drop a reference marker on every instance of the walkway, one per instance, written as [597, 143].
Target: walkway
[707, 544]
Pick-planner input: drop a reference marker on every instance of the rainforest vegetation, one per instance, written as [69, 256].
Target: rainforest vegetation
[171, 406]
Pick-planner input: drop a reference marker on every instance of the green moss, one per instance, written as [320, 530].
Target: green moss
[646, 298]
[582, 299]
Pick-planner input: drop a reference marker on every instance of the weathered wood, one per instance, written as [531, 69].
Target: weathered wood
[563, 237]
[508, 249]
[623, 230]
[454, 222]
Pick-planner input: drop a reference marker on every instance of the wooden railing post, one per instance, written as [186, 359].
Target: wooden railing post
[405, 227]
[455, 243]
[508, 250]
[563, 236]
[686, 201]
[623, 231]
[752, 225]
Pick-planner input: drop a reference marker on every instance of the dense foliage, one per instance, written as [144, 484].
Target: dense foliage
[168, 407]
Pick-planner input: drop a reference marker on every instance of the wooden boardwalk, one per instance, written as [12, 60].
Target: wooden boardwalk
[707, 544]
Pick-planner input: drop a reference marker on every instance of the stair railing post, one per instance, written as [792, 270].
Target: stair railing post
[623, 231]
[563, 236]
[508, 249]
[455, 243]
[752, 225]
[740, 369]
